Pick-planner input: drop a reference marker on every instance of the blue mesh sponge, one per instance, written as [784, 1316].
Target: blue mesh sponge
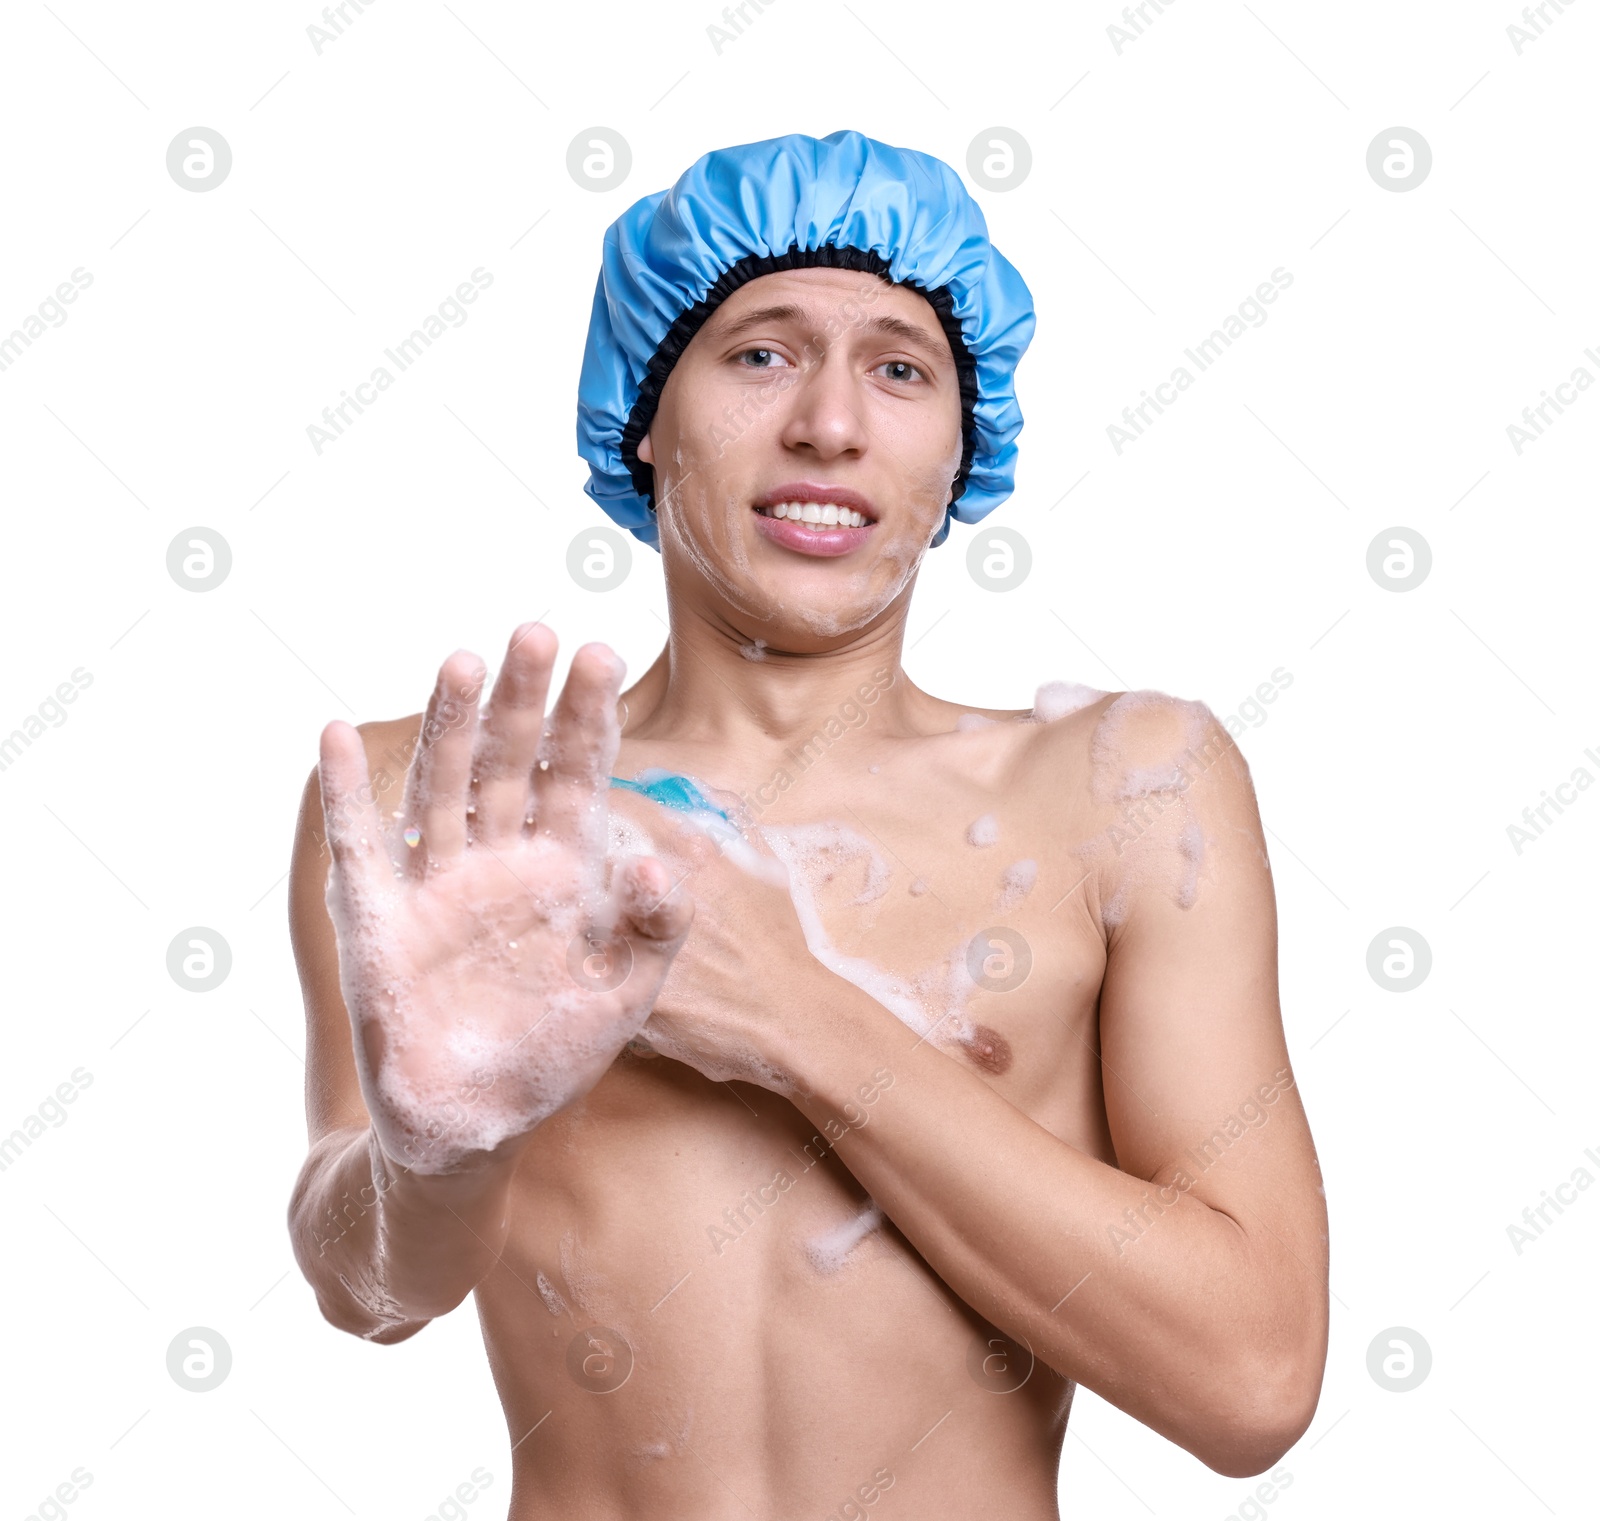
[670, 790]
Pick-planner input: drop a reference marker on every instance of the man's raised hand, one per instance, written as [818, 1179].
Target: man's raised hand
[491, 970]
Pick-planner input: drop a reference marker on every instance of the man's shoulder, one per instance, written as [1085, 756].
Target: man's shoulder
[391, 742]
[1106, 746]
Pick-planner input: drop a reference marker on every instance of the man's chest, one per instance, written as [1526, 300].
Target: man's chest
[948, 888]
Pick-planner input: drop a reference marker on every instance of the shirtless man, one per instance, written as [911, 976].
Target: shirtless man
[802, 1164]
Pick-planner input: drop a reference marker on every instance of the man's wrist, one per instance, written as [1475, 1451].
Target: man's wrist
[478, 1175]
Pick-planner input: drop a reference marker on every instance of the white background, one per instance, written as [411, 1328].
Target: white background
[1167, 181]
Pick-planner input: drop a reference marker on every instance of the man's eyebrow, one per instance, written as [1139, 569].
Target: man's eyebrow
[909, 333]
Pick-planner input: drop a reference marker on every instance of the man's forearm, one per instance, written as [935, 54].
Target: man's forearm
[1202, 1329]
[387, 1249]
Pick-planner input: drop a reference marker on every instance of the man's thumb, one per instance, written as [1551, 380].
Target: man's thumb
[650, 903]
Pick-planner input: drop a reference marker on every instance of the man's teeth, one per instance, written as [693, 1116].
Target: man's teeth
[824, 513]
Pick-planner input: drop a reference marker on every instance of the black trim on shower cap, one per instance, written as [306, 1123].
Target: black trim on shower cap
[753, 266]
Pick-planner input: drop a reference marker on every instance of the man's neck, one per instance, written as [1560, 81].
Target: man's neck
[712, 685]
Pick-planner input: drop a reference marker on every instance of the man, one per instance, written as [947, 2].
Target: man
[810, 1125]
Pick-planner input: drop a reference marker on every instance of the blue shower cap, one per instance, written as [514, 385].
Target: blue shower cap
[841, 201]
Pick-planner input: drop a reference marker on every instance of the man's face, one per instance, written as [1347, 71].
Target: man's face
[819, 385]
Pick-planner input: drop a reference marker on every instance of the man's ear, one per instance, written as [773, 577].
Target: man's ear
[645, 452]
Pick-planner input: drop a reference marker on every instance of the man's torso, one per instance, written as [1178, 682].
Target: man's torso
[695, 1307]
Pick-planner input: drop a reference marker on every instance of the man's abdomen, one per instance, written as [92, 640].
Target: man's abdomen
[700, 1313]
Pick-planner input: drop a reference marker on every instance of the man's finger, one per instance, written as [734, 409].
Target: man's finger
[508, 747]
[437, 785]
[350, 812]
[654, 908]
[583, 740]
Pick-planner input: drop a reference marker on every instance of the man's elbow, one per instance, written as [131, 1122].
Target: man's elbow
[1265, 1412]
[343, 1313]
[371, 1315]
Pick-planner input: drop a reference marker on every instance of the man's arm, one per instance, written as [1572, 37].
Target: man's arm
[1189, 1285]
[386, 1250]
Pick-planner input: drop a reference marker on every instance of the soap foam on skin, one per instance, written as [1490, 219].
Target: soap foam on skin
[476, 1089]
[469, 1082]
[674, 1444]
[579, 1280]
[983, 830]
[553, 1301]
[1016, 882]
[828, 847]
[1148, 785]
[828, 1251]
[1056, 699]
[970, 722]
[806, 871]
[725, 545]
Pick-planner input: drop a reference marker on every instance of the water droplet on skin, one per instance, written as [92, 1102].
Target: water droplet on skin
[512, 944]
[544, 765]
[412, 836]
[363, 839]
[529, 820]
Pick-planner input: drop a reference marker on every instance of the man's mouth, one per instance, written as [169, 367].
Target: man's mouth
[822, 514]
[809, 518]
[816, 507]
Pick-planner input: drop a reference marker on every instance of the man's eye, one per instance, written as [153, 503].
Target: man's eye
[765, 358]
[903, 369]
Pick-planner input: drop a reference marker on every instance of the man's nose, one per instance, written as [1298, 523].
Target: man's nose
[824, 409]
